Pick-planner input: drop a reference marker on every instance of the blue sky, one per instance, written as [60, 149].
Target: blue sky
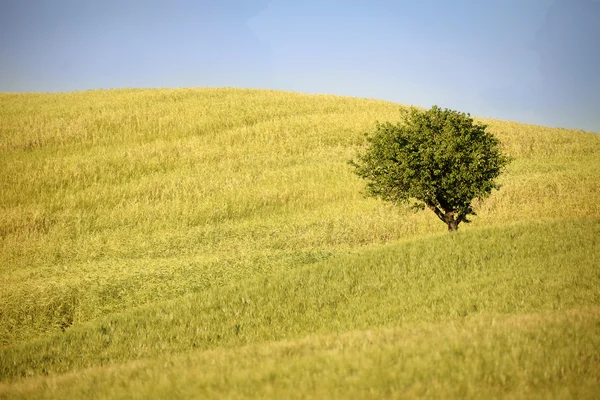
[532, 61]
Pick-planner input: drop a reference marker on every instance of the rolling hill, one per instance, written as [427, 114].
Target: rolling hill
[215, 243]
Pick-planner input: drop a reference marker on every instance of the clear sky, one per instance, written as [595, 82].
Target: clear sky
[534, 61]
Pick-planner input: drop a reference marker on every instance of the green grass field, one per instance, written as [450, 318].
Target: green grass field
[214, 243]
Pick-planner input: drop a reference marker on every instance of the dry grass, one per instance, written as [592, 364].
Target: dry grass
[118, 201]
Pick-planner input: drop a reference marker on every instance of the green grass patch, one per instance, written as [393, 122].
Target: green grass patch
[502, 271]
[554, 355]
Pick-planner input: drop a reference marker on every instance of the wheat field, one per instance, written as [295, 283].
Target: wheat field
[211, 243]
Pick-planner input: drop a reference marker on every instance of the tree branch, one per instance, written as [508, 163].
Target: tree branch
[437, 212]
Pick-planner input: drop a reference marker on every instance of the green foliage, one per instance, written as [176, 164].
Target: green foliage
[439, 157]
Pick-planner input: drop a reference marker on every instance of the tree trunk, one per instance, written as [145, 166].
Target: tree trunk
[452, 225]
[451, 221]
[447, 217]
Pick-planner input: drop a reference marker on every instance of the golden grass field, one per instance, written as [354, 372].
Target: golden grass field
[215, 243]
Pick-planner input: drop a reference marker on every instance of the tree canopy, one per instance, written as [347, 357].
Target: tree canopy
[440, 159]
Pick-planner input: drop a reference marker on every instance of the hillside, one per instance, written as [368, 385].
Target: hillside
[215, 242]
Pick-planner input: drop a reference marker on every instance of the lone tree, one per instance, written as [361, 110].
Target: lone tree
[439, 158]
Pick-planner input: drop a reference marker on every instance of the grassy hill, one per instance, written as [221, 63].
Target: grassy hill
[214, 242]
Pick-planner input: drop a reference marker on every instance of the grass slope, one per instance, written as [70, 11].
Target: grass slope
[477, 357]
[149, 224]
[510, 307]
